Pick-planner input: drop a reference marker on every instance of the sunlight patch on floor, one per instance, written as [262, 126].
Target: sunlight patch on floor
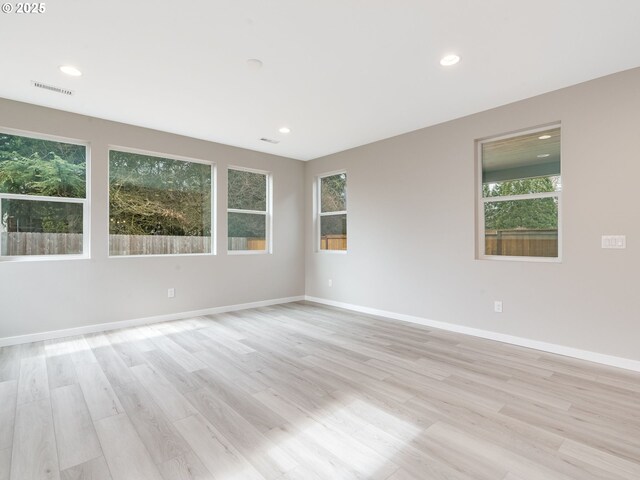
[345, 432]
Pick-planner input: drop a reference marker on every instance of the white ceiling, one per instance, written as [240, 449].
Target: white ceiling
[339, 73]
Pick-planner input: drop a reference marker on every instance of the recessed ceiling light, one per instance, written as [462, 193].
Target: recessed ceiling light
[449, 60]
[254, 64]
[285, 130]
[544, 137]
[70, 70]
[543, 155]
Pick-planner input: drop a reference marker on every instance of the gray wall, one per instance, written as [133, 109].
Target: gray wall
[39, 296]
[411, 225]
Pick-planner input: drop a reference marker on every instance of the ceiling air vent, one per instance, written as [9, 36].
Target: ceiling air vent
[269, 140]
[51, 88]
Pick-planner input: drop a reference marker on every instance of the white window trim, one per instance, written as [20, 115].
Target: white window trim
[268, 213]
[86, 202]
[319, 214]
[180, 158]
[481, 201]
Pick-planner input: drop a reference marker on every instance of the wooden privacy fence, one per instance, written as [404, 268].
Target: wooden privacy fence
[30, 243]
[247, 243]
[157, 244]
[535, 243]
[530, 243]
[333, 242]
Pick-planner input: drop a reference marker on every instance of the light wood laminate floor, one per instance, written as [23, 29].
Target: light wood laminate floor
[307, 392]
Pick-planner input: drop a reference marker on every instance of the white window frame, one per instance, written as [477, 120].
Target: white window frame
[268, 213]
[180, 158]
[481, 201]
[320, 213]
[86, 204]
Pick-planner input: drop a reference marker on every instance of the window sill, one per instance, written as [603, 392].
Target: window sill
[514, 258]
[162, 255]
[248, 252]
[42, 258]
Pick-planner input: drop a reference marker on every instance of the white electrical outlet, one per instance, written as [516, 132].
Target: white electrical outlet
[171, 293]
[330, 282]
[497, 306]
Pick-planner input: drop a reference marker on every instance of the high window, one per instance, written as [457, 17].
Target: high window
[332, 211]
[43, 197]
[159, 205]
[520, 194]
[249, 211]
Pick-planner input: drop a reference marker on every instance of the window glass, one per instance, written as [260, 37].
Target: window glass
[247, 190]
[248, 211]
[333, 193]
[42, 196]
[158, 206]
[521, 187]
[332, 218]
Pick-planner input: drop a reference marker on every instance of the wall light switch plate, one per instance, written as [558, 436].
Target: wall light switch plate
[614, 241]
[497, 306]
[171, 293]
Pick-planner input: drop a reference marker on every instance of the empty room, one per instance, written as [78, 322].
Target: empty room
[296, 240]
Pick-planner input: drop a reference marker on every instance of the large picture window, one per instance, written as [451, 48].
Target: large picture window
[332, 211]
[43, 197]
[159, 205]
[249, 211]
[520, 195]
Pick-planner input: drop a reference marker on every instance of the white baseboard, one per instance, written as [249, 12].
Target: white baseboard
[601, 358]
[103, 327]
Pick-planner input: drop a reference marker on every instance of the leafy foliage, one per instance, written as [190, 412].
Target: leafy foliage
[51, 176]
[158, 196]
[31, 166]
[333, 225]
[333, 193]
[46, 217]
[246, 191]
[26, 147]
[247, 225]
[539, 213]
